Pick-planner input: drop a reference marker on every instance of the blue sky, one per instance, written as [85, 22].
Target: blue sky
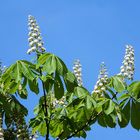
[90, 30]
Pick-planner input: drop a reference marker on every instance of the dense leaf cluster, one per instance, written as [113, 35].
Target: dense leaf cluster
[79, 110]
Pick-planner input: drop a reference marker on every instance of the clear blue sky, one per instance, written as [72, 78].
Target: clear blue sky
[91, 30]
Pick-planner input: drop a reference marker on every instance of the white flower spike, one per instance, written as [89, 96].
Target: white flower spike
[35, 39]
[127, 69]
[99, 87]
[77, 70]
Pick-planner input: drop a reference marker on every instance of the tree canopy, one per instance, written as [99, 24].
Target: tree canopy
[66, 108]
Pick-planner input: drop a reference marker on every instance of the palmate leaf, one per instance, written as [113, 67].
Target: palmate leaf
[18, 74]
[18, 70]
[61, 78]
[51, 63]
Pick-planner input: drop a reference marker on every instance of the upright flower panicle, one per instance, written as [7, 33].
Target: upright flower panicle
[100, 87]
[35, 39]
[77, 69]
[127, 69]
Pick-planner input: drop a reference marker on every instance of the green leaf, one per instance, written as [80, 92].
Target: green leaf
[26, 71]
[124, 96]
[13, 87]
[34, 86]
[81, 92]
[81, 115]
[15, 75]
[23, 93]
[56, 128]
[6, 74]
[110, 121]
[90, 103]
[81, 134]
[42, 128]
[42, 59]
[110, 107]
[102, 102]
[102, 121]
[134, 89]
[135, 115]
[51, 63]
[58, 87]
[117, 83]
[125, 115]
[38, 124]
[70, 81]
[60, 66]
[17, 72]
[118, 111]
[70, 97]
[48, 83]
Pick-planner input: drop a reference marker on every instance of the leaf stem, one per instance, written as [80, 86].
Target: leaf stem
[45, 108]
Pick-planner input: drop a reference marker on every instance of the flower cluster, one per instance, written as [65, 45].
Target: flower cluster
[127, 69]
[35, 39]
[60, 102]
[77, 69]
[102, 80]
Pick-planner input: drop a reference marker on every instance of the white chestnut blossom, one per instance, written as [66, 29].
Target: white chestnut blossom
[100, 87]
[77, 70]
[35, 39]
[60, 102]
[127, 69]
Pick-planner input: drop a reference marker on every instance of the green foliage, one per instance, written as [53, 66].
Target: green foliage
[117, 83]
[51, 63]
[67, 110]
[134, 89]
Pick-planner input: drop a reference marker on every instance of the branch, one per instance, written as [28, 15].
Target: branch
[45, 108]
[84, 126]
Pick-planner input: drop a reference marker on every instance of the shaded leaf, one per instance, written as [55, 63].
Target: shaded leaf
[135, 115]
[58, 87]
